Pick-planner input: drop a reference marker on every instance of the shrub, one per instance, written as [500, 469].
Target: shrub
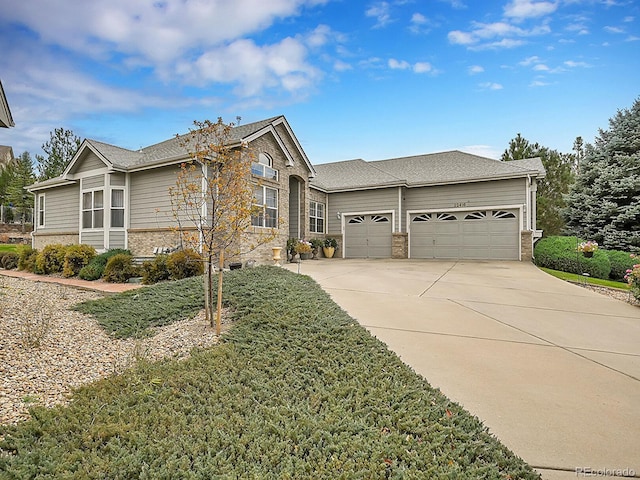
[120, 268]
[27, 258]
[91, 272]
[156, 270]
[51, 259]
[185, 264]
[95, 269]
[633, 277]
[620, 263]
[76, 257]
[560, 253]
[9, 260]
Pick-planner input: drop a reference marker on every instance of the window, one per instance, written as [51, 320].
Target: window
[117, 208]
[316, 217]
[93, 209]
[266, 201]
[263, 167]
[41, 210]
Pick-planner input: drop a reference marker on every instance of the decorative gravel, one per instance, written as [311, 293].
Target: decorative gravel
[46, 350]
[622, 295]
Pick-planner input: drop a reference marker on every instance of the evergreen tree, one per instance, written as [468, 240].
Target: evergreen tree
[22, 177]
[604, 203]
[60, 149]
[553, 187]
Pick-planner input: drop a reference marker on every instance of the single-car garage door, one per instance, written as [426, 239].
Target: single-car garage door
[368, 236]
[477, 234]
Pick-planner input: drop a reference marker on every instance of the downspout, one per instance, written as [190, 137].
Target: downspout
[399, 229]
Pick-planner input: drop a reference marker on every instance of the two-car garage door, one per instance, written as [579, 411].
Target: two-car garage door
[478, 234]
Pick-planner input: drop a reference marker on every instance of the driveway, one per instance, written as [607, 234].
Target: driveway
[552, 369]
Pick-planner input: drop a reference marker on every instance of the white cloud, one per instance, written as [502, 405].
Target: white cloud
[418, 19]
[398, 64]
[628, 19]
[530, 61]
[486, 151]
[632, 38]
[538, 83]
[340, 66]
[420, 24]
[422, 67]
[615, 30]
[495, 35]
[541, 67]
[523, 9]
[475, 69]
[381, 11]
[573, 64]
[490, 86]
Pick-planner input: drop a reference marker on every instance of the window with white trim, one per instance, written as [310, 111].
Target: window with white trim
[93, 209]
[264, 167]
[41, 210]
[316, 217]
[266, 203]
[117, 208]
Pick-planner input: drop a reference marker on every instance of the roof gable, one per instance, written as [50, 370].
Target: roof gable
[6, 120]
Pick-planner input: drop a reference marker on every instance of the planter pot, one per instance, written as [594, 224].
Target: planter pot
[587, 254]
[305, 256]
[328, 251]
[235, 265]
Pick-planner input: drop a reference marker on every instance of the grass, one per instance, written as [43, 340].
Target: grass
[296, 389]
[574, 277]
[8, 247]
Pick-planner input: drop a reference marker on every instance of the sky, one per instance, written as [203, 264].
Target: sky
[355, 79]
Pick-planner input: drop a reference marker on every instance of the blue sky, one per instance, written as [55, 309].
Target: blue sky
[355, 79]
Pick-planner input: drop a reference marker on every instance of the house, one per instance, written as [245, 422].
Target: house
[446, 205]
[449, 205]
[6, 120]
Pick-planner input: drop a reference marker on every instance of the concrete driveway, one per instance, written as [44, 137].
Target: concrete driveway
[551, 368]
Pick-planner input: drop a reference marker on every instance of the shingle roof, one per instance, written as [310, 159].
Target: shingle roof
[429, 169]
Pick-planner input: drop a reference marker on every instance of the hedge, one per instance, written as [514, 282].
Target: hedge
[561, 253]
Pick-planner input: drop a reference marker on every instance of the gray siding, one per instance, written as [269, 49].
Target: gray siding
[383, 199]
[117, 179]
[96, 181]
[478, 194]
[90, 162]
[116, 239]
[150, 202]
[61, 209]
[95, 239]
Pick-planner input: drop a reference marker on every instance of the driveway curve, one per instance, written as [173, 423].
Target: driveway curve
[552, 369]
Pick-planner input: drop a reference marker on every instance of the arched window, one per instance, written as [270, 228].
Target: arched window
[264, 167]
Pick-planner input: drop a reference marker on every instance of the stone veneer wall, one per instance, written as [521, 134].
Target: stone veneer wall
[399, 245]
[142, 242]
[40, 240]
[526, 239]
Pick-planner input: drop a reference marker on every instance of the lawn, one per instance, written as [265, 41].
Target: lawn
[7, 247]
[574, 277]
[296, 389]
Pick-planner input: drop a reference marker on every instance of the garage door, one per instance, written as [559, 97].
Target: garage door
[368, 236]
[477, 234]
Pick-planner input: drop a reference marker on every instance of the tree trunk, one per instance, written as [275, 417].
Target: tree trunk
[219, 303]
[207, 292]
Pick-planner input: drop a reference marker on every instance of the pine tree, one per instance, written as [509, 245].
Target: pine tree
[604, 203]
[553, 187]
[60, 149]
[22, 176]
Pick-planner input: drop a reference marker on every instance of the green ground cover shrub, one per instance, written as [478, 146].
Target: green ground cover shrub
[297, 389]
[120, 268]
[620, 263]
[560, 253]
[76, 257]
[8, 247]
[50, 259]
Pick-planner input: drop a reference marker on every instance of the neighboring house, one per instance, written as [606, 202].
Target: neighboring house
[446, 205]
[449, 205]
[6, 120]
[6, 155]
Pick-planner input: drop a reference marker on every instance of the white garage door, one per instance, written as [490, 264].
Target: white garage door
[368, 236]
[477, 234]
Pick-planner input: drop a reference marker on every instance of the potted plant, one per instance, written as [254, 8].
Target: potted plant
[304, 249]
[316, 245]
[329, 247]
[587, 248]
[291, 248]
